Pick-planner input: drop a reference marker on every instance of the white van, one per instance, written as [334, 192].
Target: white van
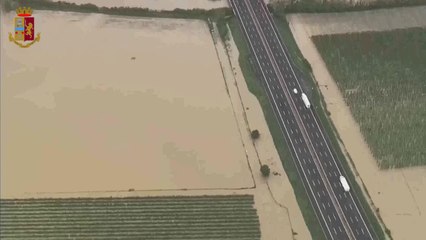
[344, 183]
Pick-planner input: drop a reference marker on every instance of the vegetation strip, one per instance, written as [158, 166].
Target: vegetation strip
[198, 217]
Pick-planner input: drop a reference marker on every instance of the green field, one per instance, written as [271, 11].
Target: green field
[199, 217]
[382, 78]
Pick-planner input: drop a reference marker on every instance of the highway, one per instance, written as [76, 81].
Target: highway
[339, 212]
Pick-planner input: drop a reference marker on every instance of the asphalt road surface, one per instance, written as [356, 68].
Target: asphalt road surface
[339, 212]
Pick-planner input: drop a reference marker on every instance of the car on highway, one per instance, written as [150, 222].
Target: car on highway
[295, 91]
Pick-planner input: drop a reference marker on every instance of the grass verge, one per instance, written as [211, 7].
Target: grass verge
[381, 76]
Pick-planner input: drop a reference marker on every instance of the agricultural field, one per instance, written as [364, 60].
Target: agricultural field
[196, 217]
[381, 76]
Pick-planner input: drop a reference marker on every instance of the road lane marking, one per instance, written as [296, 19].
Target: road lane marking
[275, 40]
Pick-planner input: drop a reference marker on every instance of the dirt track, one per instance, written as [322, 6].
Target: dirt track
[399, 194]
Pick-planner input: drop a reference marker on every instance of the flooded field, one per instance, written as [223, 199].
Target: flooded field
[111, 104]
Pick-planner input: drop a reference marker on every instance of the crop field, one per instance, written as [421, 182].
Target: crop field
[195, 217]
[381, 76]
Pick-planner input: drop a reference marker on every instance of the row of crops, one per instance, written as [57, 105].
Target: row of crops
[382, 76]
[173, 217]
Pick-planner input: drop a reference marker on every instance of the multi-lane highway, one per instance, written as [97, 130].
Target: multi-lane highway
[339, 212]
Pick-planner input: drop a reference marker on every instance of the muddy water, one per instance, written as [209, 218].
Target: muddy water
[78, 114]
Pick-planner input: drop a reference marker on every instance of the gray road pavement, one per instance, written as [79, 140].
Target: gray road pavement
[339, 212]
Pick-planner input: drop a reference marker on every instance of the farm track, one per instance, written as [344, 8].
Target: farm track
[199, 217]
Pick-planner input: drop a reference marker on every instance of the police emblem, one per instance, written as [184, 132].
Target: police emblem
[24, 28]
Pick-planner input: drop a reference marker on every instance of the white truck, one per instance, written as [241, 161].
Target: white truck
[306, 100]
[344, 183]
